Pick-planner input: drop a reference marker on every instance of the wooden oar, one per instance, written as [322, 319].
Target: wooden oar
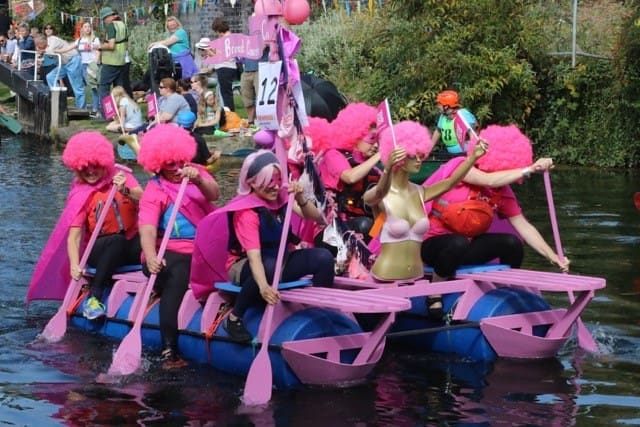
[57, 326]
[636, 200]
[127, 358]
[585, 340]
[257, 389]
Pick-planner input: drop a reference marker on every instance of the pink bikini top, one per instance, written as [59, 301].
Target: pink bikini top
[399, 230]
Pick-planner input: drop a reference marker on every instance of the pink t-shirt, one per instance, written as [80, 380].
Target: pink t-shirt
[333, 164]
[81, 219]
[507, 206]
[155, 202]
[246, 224]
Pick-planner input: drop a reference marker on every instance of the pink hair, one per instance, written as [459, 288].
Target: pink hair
[509, 148]
[352, 124]
[320, 132]
[260, 179]
[88, 148]
[412, 136]
[165, 143]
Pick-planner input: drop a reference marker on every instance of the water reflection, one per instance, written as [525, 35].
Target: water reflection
[41, 384]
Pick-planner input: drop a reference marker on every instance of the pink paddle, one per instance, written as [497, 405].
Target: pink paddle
[57, 326]
[585, 340]
[127, 358]
[257, 389]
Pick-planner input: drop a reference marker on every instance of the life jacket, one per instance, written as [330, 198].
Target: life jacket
[182, 227]
[470, 217]
[118, 54]
[270, 230]
[350, 199]
[122, 215]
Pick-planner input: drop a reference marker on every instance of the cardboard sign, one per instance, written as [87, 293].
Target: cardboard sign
[234, 46]
[109, 107]
[266, 103]
[152, 105]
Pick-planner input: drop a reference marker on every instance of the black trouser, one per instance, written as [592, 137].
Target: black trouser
[171, 283]
[225, 82]
[315, 261]
[108, 253]
[448, 252]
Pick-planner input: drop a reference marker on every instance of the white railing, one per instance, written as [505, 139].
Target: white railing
[35, 63]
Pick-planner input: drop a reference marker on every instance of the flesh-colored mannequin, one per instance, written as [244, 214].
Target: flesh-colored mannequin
[402, 198]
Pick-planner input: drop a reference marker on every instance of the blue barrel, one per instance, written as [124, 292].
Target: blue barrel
[468, 343]
[236, 358]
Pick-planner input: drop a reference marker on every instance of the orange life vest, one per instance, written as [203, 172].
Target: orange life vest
[122, 215]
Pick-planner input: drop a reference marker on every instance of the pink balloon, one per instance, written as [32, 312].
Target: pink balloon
[296, 11]
[264, 138]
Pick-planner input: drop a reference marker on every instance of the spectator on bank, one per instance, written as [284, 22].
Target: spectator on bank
[113, 54]
[171, 103]
[183, 87]
[26, 47]
[177, 40]
[68, 64]
[226, 71]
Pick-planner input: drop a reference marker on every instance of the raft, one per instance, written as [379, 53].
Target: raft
[335, 336]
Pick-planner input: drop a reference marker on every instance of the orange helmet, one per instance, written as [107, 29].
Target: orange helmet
[448, 98]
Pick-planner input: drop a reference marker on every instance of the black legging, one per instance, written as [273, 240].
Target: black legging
[226, 76]
[315, 261]
[448, 252]
[109, 253]
[172, 283]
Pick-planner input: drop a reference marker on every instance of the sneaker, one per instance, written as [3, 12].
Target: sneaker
[236, 330]
[171, 359]
[93, 308]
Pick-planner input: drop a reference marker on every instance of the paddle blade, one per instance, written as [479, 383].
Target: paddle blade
[636, 200]
[127, 358]
[257, 390]
[10, 123]
[57, 326]
[585, 339]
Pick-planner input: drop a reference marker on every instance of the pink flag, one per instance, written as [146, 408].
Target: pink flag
[152, 105]
[109, 107]
[383, 119]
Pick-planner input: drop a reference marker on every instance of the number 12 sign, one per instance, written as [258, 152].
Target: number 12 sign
[266, 104]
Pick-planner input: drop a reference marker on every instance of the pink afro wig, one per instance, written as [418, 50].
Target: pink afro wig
[320, 132]
[88, 148]
[352, 124]
[509, 148]
[165, 143]
[412, 136]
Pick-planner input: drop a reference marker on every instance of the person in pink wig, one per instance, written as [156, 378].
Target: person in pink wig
[349, 149]
[509, 160]
[255, 228]
[400, 202]
[166, 151]
[90, 156]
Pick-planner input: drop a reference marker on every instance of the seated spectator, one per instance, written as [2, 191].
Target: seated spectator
[129, 119]
[186, 120]
[184, 88]
[211, 115]
[170, 103]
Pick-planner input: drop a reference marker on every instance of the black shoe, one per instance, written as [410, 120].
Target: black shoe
[237, 330]
[434, 307]
[171, 359]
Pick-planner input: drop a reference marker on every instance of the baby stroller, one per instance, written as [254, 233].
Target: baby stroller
[161, 65]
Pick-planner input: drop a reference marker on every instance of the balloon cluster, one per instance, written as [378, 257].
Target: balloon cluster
[295, 12]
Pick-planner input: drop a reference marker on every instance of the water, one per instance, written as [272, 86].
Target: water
[53, 384]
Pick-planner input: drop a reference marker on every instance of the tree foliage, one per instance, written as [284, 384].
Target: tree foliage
[497, 55]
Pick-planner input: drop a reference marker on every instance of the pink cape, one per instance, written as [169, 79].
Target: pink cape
[51, 275]
[211, 244]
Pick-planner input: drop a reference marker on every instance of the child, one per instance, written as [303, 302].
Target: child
[129, 113]
[211, 115]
